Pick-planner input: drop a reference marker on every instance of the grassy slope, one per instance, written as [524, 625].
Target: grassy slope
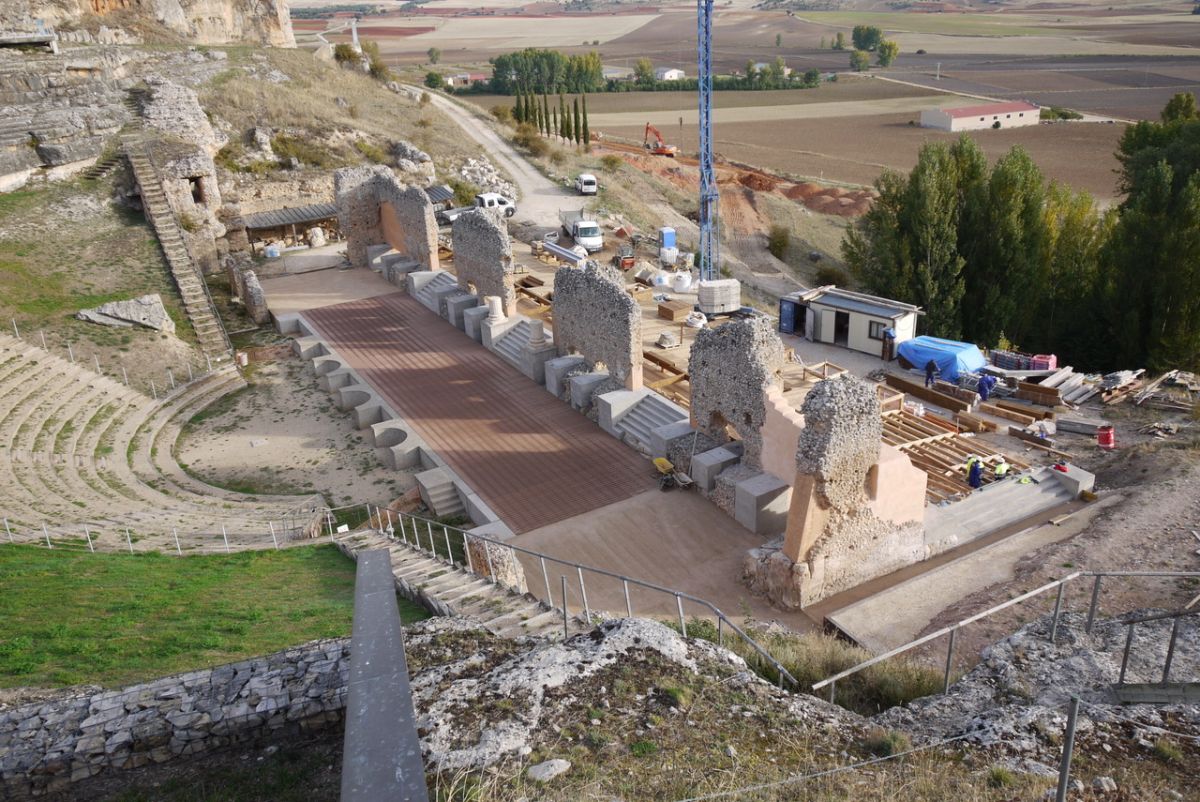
[65, 247]
[112, 619]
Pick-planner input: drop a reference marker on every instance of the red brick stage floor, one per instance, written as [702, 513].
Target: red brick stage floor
[529, 456]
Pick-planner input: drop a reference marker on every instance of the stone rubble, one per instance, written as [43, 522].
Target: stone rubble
[482, 173]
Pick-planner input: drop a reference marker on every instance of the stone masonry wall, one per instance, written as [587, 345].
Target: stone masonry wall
[595, 317]
[374, 207]
[834, 539]
[358, 209]
[731, 368]
[46, 746]
[483, 257]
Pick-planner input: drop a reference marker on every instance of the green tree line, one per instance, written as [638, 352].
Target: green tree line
[999, 250]
[567, 121]
[546, 72]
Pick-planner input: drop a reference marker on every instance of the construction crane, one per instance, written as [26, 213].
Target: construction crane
[659, 147]
[710, 242]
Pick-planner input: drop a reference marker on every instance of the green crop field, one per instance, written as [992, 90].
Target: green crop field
[113, 619]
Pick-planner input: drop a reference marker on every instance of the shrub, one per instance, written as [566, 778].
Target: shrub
[434, 80]
[371, 152]
[345, 53]
[778, 240]
[643, 748]
[675, 696]
[502, 113]
[1000, 777]
[1168, 751]
[1059, 113]
[527, 137]
[831, 275]
[557, 156]
[885, 743]
[188, 223]
[611, 162]
[464, 191]
[425, 100]
[287, 147]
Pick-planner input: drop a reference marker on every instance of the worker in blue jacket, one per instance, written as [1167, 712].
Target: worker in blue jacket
[986, 383]
[975, 474]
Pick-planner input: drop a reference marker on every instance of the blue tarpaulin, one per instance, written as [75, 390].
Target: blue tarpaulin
[952, 357]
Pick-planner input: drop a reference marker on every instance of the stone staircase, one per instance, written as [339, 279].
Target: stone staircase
[645, 416]
[511, 345]
[202, 313]
[440, 586]
[994, 506]
[439, 493]
[427, 295]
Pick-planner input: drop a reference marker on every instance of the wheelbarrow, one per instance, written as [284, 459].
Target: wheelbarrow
[668, 477]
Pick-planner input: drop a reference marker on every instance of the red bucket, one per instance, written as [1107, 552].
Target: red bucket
[1106, 437]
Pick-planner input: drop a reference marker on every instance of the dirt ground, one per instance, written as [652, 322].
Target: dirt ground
[284, 434]
[857, 149]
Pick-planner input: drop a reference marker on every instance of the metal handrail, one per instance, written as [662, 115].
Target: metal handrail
[1178, 616]
[626, 581]
[1060, 584]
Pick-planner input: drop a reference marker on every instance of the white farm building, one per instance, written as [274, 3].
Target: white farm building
[975, 118]
[668, 74]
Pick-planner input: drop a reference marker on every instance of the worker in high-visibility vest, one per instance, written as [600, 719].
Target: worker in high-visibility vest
[1002, 468]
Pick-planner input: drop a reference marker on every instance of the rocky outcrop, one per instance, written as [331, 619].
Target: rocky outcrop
[205, 22]
[148, 311]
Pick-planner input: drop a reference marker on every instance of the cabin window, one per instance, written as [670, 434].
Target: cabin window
[875, 330]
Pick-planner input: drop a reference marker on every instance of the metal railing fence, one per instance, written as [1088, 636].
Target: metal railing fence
[439, 540]
[1058, 585]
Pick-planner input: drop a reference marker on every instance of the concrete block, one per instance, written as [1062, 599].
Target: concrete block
[556, 371]
[396, 266]
[496, 530]
[375, 254]
[1075, 479]
[327, 364]
[335, 380]
[491, 331]
[432, 483]
[309, 347]
[290, 323]
[442, 294]
[761, 504]
[663, 436]
[457, 305]
[582, 387]
[415, 281]
[611, 406]
[707, 464]
[473, 320]
[534, 359]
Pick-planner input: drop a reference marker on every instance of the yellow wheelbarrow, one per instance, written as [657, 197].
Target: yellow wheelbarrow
[668, 477]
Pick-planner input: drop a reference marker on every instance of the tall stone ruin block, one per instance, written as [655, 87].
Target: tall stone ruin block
[483, 260]
[596, 318]
[851, 501]
[374, 208]
[732, 369]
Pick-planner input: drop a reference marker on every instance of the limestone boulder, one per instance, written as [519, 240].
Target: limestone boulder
[147, 311]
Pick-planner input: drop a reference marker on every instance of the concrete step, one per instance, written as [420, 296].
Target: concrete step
[426, 295]
[647, 415]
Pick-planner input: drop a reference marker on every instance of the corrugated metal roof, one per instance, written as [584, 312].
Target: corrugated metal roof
[855, 305]
[439, 194]
[286, 217]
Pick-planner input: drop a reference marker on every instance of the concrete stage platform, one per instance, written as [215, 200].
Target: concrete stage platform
[532, 458]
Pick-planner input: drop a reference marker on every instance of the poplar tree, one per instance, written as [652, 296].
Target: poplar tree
[578, 126]
[587, 133]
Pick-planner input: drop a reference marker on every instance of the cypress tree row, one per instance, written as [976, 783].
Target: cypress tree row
[578, 130]
[587, 133]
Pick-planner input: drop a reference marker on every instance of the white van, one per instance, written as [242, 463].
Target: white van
[586, 184]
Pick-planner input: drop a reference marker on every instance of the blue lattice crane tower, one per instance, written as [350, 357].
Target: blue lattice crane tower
[710, 241]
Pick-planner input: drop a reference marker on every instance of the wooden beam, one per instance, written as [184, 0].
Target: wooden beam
[925, 394]
[1038, 442]
[667, 382]
[1025, 409]
[1008, 414]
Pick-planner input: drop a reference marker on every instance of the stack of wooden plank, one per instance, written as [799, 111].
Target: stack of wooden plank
[1174, 390]
[1015, 415]
[1038, 394]
[1073, 388]
[924, 393]
[1116, 387]
[961, 393]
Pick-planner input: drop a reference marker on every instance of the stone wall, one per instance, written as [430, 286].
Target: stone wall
[596, 318]
[731, 369]
[175, 110]
[46, 746]
[374, 208]
[835, 538]
[483, 260]
[206, 22]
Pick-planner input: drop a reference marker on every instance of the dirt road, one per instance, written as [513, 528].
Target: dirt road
[540, 197]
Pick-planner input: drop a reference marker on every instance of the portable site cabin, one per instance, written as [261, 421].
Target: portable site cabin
[849, 319]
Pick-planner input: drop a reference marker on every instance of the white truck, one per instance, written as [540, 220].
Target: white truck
[586, 184]
[582, 229]
[492, 201]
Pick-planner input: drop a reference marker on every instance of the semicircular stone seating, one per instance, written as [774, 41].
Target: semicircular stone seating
[78, 449]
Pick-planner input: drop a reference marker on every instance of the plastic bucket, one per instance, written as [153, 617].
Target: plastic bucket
[1106, 437]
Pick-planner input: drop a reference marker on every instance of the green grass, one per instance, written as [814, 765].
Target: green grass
[113, 619]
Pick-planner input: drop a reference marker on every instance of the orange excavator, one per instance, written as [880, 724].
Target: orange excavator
[658, 147]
